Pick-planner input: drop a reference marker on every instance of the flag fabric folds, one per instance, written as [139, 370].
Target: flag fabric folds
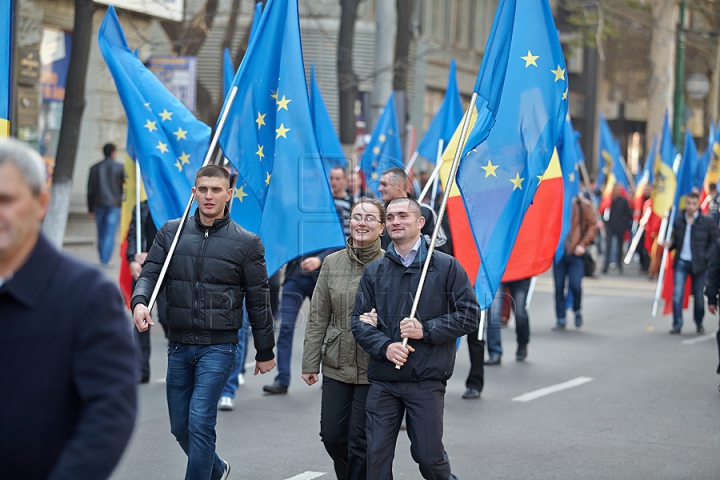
[328, 142]
[228, 72]
[6, 16]
[170, 142]
[499, 177]
[570, 157]
[612, 172]
[282, 191]
[686, 171]
[704, 160]
[644, 178]
[445, 120]
[383, 151]
[663, 194]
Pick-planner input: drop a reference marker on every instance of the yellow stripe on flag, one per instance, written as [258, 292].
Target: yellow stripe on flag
[449, 154]
[4, 128]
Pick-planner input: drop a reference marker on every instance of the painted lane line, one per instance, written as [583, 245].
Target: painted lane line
[307, 476]
[701, 338]
[575, 382]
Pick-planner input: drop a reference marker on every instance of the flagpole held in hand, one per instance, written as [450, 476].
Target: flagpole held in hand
[668, 222]
[138, 229]
[441, 212]
[638, 234]
[208, 157]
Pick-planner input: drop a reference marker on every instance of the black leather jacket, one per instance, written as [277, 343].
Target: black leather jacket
[213, 270]
[105, 184]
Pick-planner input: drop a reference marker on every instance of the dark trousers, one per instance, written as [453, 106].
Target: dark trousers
[476, 347]
[143, 338]
[569, 268]
[618, 238]
[423, 403]
[342, 427]
[295, 289]
[683, 270]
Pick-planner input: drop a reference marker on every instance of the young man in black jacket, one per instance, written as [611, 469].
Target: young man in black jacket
[216, 265]
[693, 240]
[447, 310]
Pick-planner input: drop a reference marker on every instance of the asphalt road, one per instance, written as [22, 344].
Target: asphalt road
[640, 404]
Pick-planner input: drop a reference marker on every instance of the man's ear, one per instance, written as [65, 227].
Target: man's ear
[421, 221]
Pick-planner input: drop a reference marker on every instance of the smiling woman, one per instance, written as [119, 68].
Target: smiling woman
[329, 340]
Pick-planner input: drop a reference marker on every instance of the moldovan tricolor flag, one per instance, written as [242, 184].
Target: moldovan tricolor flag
[5, 49]
[539, 233]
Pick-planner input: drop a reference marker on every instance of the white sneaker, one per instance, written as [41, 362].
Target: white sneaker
[226, 404]
[226, 473]
[241, 379]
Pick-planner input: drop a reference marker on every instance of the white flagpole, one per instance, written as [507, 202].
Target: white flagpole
[138, 223]
[441, 213]
[638, 234]
[438, 161]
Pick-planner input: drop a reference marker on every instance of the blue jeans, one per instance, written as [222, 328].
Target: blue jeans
[570, 268]
[107, 219]
[196, 375]
[683, 270]
[295, 290]
[515, 292]
[232, 384]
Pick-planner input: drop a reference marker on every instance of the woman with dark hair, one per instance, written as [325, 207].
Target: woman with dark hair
[329, 340]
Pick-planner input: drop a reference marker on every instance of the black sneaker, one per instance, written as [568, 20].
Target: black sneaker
[674, 331]
[471, 393]
[700, 330]
[578, 319]
[521, 353]
[493, 360]
[275, 388]
[226, 473]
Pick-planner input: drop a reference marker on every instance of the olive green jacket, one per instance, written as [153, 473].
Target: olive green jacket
[328, 337]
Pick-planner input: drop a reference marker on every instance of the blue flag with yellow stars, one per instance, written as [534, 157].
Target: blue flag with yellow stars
[570, 159]
[6, 16]
[282, 192]
[384, 151]
[170, 142]
[445, 121]
[328, 142]
[499, 176]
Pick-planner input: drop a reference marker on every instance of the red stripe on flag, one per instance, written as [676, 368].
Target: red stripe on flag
[125, 279]
[669, 287]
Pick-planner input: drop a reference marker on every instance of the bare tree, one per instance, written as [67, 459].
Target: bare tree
[74, 104]
[347, 80]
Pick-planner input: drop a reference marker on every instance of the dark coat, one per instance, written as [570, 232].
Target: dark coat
[620, 216]
[148, 230]
[712, 281]
[105, 184]
[213, 270]
[448, 309]
[68, 382]
[702, 240]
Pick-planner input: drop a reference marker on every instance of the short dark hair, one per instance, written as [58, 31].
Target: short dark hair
[213, 171]
[693, 194]
[372, 201]
[414, 205]
[109, 149]
[399, 175]
[338, 167]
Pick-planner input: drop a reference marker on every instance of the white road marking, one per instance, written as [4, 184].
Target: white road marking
[575, 382]
[307, 476]
[701, 338]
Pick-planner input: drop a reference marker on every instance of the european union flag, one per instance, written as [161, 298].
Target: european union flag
[663, 194]
[384, 151]
[170, 142]
[6, 17]
[498, 178]
[647, 175]
[570, 158]
[688, 164]
[327, 140]
[228, 71]
[445, 121]
[268, 138]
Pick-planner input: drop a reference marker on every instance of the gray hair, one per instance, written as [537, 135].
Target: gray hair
[27, 160]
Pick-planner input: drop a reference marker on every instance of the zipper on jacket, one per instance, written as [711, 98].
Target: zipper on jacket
[198, 271]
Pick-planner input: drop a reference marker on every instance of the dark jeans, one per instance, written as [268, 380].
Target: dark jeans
[107, 220]
[569, 268]
[683, 270]
[476, 376]
[423, 404]
[342, 427]
[295, 290]
[618, 238]
[195, 377]
[516, 293]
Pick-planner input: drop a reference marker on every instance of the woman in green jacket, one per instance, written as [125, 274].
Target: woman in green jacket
[329, 340]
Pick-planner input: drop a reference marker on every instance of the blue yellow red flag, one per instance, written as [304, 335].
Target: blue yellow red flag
[384, 150]
[525, 97]
[284, 196]
[6, 16]
[170, 142]
[570, 159]
[663, 194]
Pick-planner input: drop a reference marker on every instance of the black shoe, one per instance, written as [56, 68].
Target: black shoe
[493, 360]
[578, 319]
[275, 388]
[145, 380]
[521, 353]
[226, 472]
[674, 331]
[558, 328]
[700, 330]
[471, 393]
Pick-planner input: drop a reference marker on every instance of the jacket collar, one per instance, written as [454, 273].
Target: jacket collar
[363, 255]
[29, 283]
[217, 223]
[419, 258]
